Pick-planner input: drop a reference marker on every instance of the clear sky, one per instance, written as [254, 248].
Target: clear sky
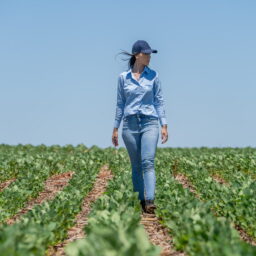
[59, 69]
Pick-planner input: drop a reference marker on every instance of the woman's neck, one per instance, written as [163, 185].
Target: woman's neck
[138, 68]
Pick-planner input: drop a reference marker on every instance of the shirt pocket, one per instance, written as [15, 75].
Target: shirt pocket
[148, 90]
[130, 88]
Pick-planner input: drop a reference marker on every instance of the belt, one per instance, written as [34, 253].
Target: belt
[136, 115]
[139, 115]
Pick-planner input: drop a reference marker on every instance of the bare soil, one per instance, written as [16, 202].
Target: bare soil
[219, 179]
[5, 184]
[159, 235]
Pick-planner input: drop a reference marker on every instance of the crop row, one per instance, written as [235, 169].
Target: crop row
[237, 202]
[193, 225]
[113, 225]
[47, 224]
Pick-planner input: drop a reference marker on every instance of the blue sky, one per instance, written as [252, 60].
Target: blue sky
[59, 69]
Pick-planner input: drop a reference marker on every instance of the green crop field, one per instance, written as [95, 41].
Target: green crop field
[205, 198]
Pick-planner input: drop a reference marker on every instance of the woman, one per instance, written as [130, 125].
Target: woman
[140, 103]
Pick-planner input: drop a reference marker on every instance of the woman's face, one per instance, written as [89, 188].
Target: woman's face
[143, 58]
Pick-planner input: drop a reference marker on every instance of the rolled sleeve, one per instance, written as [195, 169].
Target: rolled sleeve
[119, 103]
[159, 101]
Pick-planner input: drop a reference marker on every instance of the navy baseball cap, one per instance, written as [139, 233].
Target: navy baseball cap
[142, 46]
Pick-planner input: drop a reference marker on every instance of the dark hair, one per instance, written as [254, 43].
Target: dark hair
[132, 58]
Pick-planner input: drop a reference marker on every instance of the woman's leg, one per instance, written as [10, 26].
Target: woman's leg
[149, 141]
[132, 142]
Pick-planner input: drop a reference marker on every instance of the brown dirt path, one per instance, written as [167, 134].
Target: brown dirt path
[219, 179]
[52, 185]
[159, 235]
[77, 232]
[182, 179]
[6, 183]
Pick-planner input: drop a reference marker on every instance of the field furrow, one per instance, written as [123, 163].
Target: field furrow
[6, 183]
[159, 235]
[190, 220]
[77, 231]
[184, 181]
[52, 185]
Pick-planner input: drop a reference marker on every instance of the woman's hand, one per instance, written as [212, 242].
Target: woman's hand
[115, 137]
[164, 133]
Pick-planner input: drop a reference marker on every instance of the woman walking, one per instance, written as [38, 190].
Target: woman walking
[141, 105]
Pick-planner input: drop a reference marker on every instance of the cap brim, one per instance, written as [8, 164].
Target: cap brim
[150, 51]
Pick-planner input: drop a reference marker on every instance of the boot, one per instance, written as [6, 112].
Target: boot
[142, 203]
[150, 206]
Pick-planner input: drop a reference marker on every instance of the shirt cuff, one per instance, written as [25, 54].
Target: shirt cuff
[116, 124]
[163, 121]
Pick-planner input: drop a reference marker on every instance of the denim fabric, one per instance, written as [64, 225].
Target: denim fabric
[142, 96]
[140, 134]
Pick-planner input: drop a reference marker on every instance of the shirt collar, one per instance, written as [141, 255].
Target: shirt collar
[146, 69]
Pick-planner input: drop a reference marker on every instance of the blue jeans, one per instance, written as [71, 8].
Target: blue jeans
[140, 134]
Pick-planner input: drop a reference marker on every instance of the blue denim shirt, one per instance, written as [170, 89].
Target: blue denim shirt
[143, 96]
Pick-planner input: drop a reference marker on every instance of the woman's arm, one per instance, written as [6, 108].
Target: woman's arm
[160, 108]
[119, 103]
[159, 102]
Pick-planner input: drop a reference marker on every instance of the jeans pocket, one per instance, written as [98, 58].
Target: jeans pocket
[154, 123]
[153, 118]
